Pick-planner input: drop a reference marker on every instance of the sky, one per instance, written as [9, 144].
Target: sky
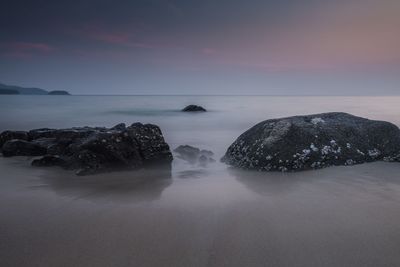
[285, 47]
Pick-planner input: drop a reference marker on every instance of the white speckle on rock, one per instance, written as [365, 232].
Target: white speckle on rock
[316, 164]
[325, 150]
[317, 120]
[313, 147]
[374, 153]
[283, 169]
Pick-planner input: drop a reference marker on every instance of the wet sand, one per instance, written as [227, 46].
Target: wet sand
[216, 216]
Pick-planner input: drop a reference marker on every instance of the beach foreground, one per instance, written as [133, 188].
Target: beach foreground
[339, 216]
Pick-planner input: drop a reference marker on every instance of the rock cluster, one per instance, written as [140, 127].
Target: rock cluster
[194, 155]
[314, 141]
[90, 150]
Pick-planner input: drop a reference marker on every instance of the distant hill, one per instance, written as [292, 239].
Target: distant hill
[29, 91]
[58, 92]
[8, 92]
[24, 90]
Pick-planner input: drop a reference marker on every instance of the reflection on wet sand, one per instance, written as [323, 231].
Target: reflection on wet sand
[339, 177]
[124, 186]
[192, 174]
[339, 216]
[265, 183]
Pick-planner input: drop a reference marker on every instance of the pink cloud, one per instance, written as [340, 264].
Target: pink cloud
[331, 37]
[122, 38]
[113, 38]
[24, 49]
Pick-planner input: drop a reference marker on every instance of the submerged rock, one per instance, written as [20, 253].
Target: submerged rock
[192, 108]
[187, 152]
[94, 149]
[312, 142]
[194, 155]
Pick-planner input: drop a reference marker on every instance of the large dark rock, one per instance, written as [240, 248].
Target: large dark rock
[192, 108]
[94, 149]
[314, 141]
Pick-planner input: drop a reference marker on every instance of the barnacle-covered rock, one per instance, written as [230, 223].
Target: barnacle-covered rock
[312, 142]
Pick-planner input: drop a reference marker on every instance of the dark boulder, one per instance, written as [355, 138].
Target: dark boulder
[192, 108]
[16, 147]
[312, 142]
[94, 149]
[105, 151]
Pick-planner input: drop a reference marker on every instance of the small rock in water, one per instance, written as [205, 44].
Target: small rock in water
[192, 108]
[194, 155]
[188, 153]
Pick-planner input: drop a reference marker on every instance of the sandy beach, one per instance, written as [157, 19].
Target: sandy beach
[339, 216]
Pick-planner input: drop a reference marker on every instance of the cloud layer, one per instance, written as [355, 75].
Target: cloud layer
[192, 38]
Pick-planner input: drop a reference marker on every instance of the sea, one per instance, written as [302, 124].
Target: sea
[211, 215]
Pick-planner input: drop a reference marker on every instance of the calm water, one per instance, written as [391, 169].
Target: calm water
[202, 216]
[227, 118]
